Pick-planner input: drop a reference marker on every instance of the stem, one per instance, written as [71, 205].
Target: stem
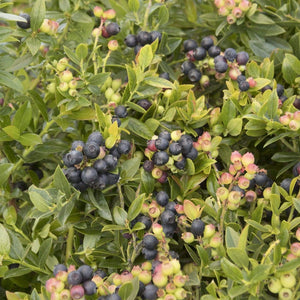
[105, 61]
[146, 16]
[286, 143]
[69, 243]
[25, 264]
[121, 195]
[95, 48]
[268, 252]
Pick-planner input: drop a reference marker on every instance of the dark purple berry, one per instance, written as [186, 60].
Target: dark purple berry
[74, 278]
[100, 166]
[297, 103]
[112, 178]
[296, 169]
[165, 135]
[101, 182]
[150, 242]
[207, 42]
[91, 150]
[121, 111]
[230, 54]
[77, 145]
[167, 217]
[261, 179]
[160, 158]
[220, 58]
[189, 45]
[145, 220]
[89, 287]
[137, 48]
[96, 137]
[194, 75]
[124, 147]
[116, 119]
[241, 78]
[58, 268]
[214, 51]
[199, 53]
[197, 227]
[175, 148]
[150, 292]
[162, 198]
[73, 158]
[171, 206]
[280, 90]
[221, 67]
[161, 144]
[80, 186]
[244, 86]
[187, 66]
[186, 142]
[131, 40]
[265, 88]
[149, 254]
[111, 162]
[86, 272]
[24, 25]
[114, 152]
[144, 38]
[164, 75]
[242, 58]
[73, 175]
[155, 35]
[112, 28]
[148, 165]
[144, 103]
[180, 164]
[169, 229]
[101, 273]
[89, 175]
[193, 154]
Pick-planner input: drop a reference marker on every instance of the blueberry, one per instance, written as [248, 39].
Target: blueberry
[91, 150]
[169, 229]
[149, 254]
[101, 182]
[164, 75]
[144, 38]
[238, 189]
[214, 51]
[297, 103]
[220, 58]
[112, 178]
[230, 54]
[114, 152]
[77, 145]
[144, 103]
[124, 147]
[161, 144]
[113, 296]
[148, 165]
[186, 142]
[221, 67]
[180, 164]
[167, 217]
[199, 131]
[194, 75]
[175, 148]
[242, 58]
[145, 220]
[187, 66]
[296, 169]
[121, 111]
[160, 158]
[283, 98]
[96, 137]
[100, 166]
[261, 179]
[150, 242]
[101, 273]
[162, 198]
[174, 254]
[155, 35]
[24, 25]
[165, 135]
[89, 175]
[131, 40]
[58, 268]
[89, 287]
[193, 154]
[280, 90]
[141, 288]
[73, 175]
[80, 186]
[265, 88]
[207, 42]
[73, 158]
[21, 185]
[137, 48]
[285, 184]
[150, 292]
[112, 28]
[197, 227]
[116, 119]
[171, 206]
[199, 53]
[111, 162]
[241, 78]
[189, 45]
[244, 86]
[86, 272]
[74, 278]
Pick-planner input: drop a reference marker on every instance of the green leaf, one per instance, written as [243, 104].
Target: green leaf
[71, 55]
[120, 215]
[260, 18]
[99, 79]
[236, 291]
[145, 56]
[5, 170]
[21, 62]
[4, 241]
[40, 198]
[60, 182]
[234, 126]
[33, 45]
[193, 255]
[231, 237]
[113, 227]
[30, 139]
[37, 14]
[290, 68]
[135, 207]
[257, 226]
[131, 78]
[131, 166]
[81, 51]
[38, 101]
[259, 273]
[44, 251]
[190, 9]
[147, 181]
[64, 5]
[230, 270]
[125, 290]
[12, 131]
[285, 157]
[11, 17]
[134, 5]
[23, 116]
[158, 82]
[10, 81]
[289, 266]
[81, 17]
[238, 256]
[140, 129]
[10, 215]
[100, 203]
[163, 15]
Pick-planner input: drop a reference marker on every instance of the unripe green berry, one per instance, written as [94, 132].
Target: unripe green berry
[116, 98]
[66, 76]
[274, 285]
[63, 86]
[285, 294]
[116, 84]
[288, 280]
[108, 93]
[51, 88]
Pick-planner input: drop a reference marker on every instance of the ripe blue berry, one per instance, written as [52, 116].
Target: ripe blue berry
[124, 147]
[161, 144]
[169, 229]
[221, 67]
[131, 40]
[230, 54]
[112, 178]
[112, 28]
[189, 45]
[24, 25]
[180, 164]
[164, 75]
[192, 154]
[101, 273]
[155, 35]
[144, 103]
[167, 217]
[111, 162]
[197, 227]
[220, 58]
[280, 90]
[160, 158]
[214, 51]
[199, 53]
[100, 166]
[101, 182]
[187, 66]
[91, 150]
[242, 58]
[58, 268]
[89, 175]
[241, 78]
[175, 148]
[186, 142]
[150, 292]
[144, 38]
[149, 254]
[162, 198]
[89, 287]
[207, 42]
[73, 158]
[165, 135]
[145, 220]
[148, 165]
[244, 86]
[96, 137]
[150, 242]
[77, 145]
[116, 119]
[194, 75]
[121, 111]
[86, 272]
[73, 175]
[74, 278]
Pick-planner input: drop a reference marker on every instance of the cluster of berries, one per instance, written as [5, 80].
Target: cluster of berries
[106, 30]
[232, 9]
[97, 173]
[283, 284]
[111, 89]
[168, 151]
[48, 26]
[213, 60]
[165, 214]
[292, 120]
[141, 39]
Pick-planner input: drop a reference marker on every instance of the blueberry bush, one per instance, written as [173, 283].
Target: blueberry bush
[149, 149]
